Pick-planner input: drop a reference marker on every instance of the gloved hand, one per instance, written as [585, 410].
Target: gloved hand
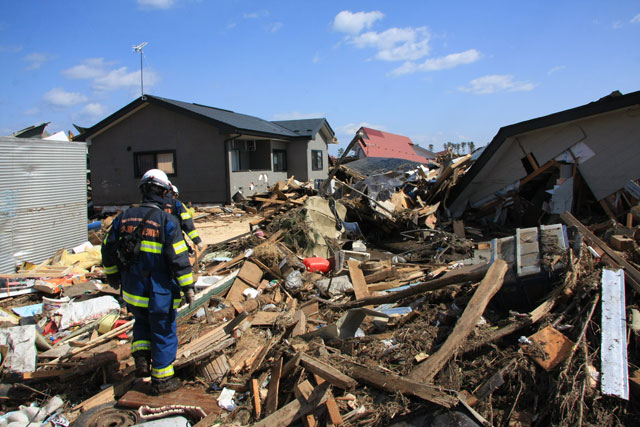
[201, 245]
[189, 295]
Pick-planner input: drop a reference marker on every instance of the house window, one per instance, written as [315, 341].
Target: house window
[316, 160]
[250, 155]
[163, 160]
[279, 161]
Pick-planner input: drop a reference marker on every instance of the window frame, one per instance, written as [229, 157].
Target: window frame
[315, 157]
[136, 170]
[284, 156]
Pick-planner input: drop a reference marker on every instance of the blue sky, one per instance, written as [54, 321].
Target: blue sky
[431, 70]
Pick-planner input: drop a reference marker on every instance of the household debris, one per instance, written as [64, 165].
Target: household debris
[368, 305]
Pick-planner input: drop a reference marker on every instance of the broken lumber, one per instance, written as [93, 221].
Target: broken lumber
[271, 404]
[327, 372]
[357, 279]
[614, 260]
[489, 286]
[396, 384]
[453, 277]
[297, 408]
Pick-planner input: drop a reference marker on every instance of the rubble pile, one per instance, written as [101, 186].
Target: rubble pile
[367, 305]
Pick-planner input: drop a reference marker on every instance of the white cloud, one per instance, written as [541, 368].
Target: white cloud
[31, 111]
[635, 19]
[256, 15]
[556, 69]
[352, 23]
[396, 44]
[93, 110]
[316, 58]
[616, 25]
[36, 60]
[443, 63]
[121, 78]
[231, 25]
[296, 115]
[58, 97]
[90, 68]
[496, 83]
[156, 4]
[274, 27]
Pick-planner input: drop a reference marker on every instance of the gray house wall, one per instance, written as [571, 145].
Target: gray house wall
[298, 160]
[258, 180]
[318, 143]
[200, 156]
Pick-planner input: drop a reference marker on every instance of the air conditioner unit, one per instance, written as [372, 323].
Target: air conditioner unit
[251, 145]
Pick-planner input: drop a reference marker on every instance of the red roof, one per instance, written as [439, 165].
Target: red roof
[385, 144]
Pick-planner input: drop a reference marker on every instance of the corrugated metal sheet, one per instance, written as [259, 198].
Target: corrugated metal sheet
[43, 199]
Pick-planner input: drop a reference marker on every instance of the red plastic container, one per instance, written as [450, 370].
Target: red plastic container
[314, 264]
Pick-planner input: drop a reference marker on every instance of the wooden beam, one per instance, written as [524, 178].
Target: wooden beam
[297, 408]
[614, 260]
[334, 412]
[397, 384]
[489, 286]
[255, 391]
[454, 277]
[271, 404]
[357, 279]
[303, 392]
[327, 372]
[537, 172]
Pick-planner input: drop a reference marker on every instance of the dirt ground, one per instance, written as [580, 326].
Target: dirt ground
[224, 228]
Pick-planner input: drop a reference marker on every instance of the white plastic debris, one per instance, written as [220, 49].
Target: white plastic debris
[225, 400]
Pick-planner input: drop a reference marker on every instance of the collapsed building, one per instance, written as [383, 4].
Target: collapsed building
[498, 288]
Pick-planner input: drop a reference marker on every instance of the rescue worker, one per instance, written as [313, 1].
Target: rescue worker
[152, 284]
[176, 208]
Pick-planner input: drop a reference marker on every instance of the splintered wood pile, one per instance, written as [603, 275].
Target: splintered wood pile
[413, 318]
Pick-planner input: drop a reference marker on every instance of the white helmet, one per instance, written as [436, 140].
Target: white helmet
[156, 177]
[174, 189]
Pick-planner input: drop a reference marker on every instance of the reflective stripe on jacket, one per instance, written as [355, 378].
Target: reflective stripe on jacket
[162, 270]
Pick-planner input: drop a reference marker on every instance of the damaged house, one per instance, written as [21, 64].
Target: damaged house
[577, 159]
[376, 143]
[209, 153]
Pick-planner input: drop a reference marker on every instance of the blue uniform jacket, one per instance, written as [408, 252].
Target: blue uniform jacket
[162, 270]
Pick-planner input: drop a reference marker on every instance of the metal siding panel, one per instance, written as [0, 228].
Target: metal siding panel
[43, 199]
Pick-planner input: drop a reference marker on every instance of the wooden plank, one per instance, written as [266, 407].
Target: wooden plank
[291, 365]
[301, 324]
[380, 275]
[383, 286]
[465, 274]
[271, 403]
[327, 372]
[334, 412]
[489, 286]
[537, 172]
[357, 279]
[297, 408]
[183, 396]
[255, 392]
[250, 273]
[394, 384]
[264, 318]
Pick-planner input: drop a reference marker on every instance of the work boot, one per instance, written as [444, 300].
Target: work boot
[164, 385]
[143, 368]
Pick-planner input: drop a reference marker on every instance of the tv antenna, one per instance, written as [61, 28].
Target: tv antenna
[138, 48]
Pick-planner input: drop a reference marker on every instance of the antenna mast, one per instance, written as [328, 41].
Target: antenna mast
[138, 48]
